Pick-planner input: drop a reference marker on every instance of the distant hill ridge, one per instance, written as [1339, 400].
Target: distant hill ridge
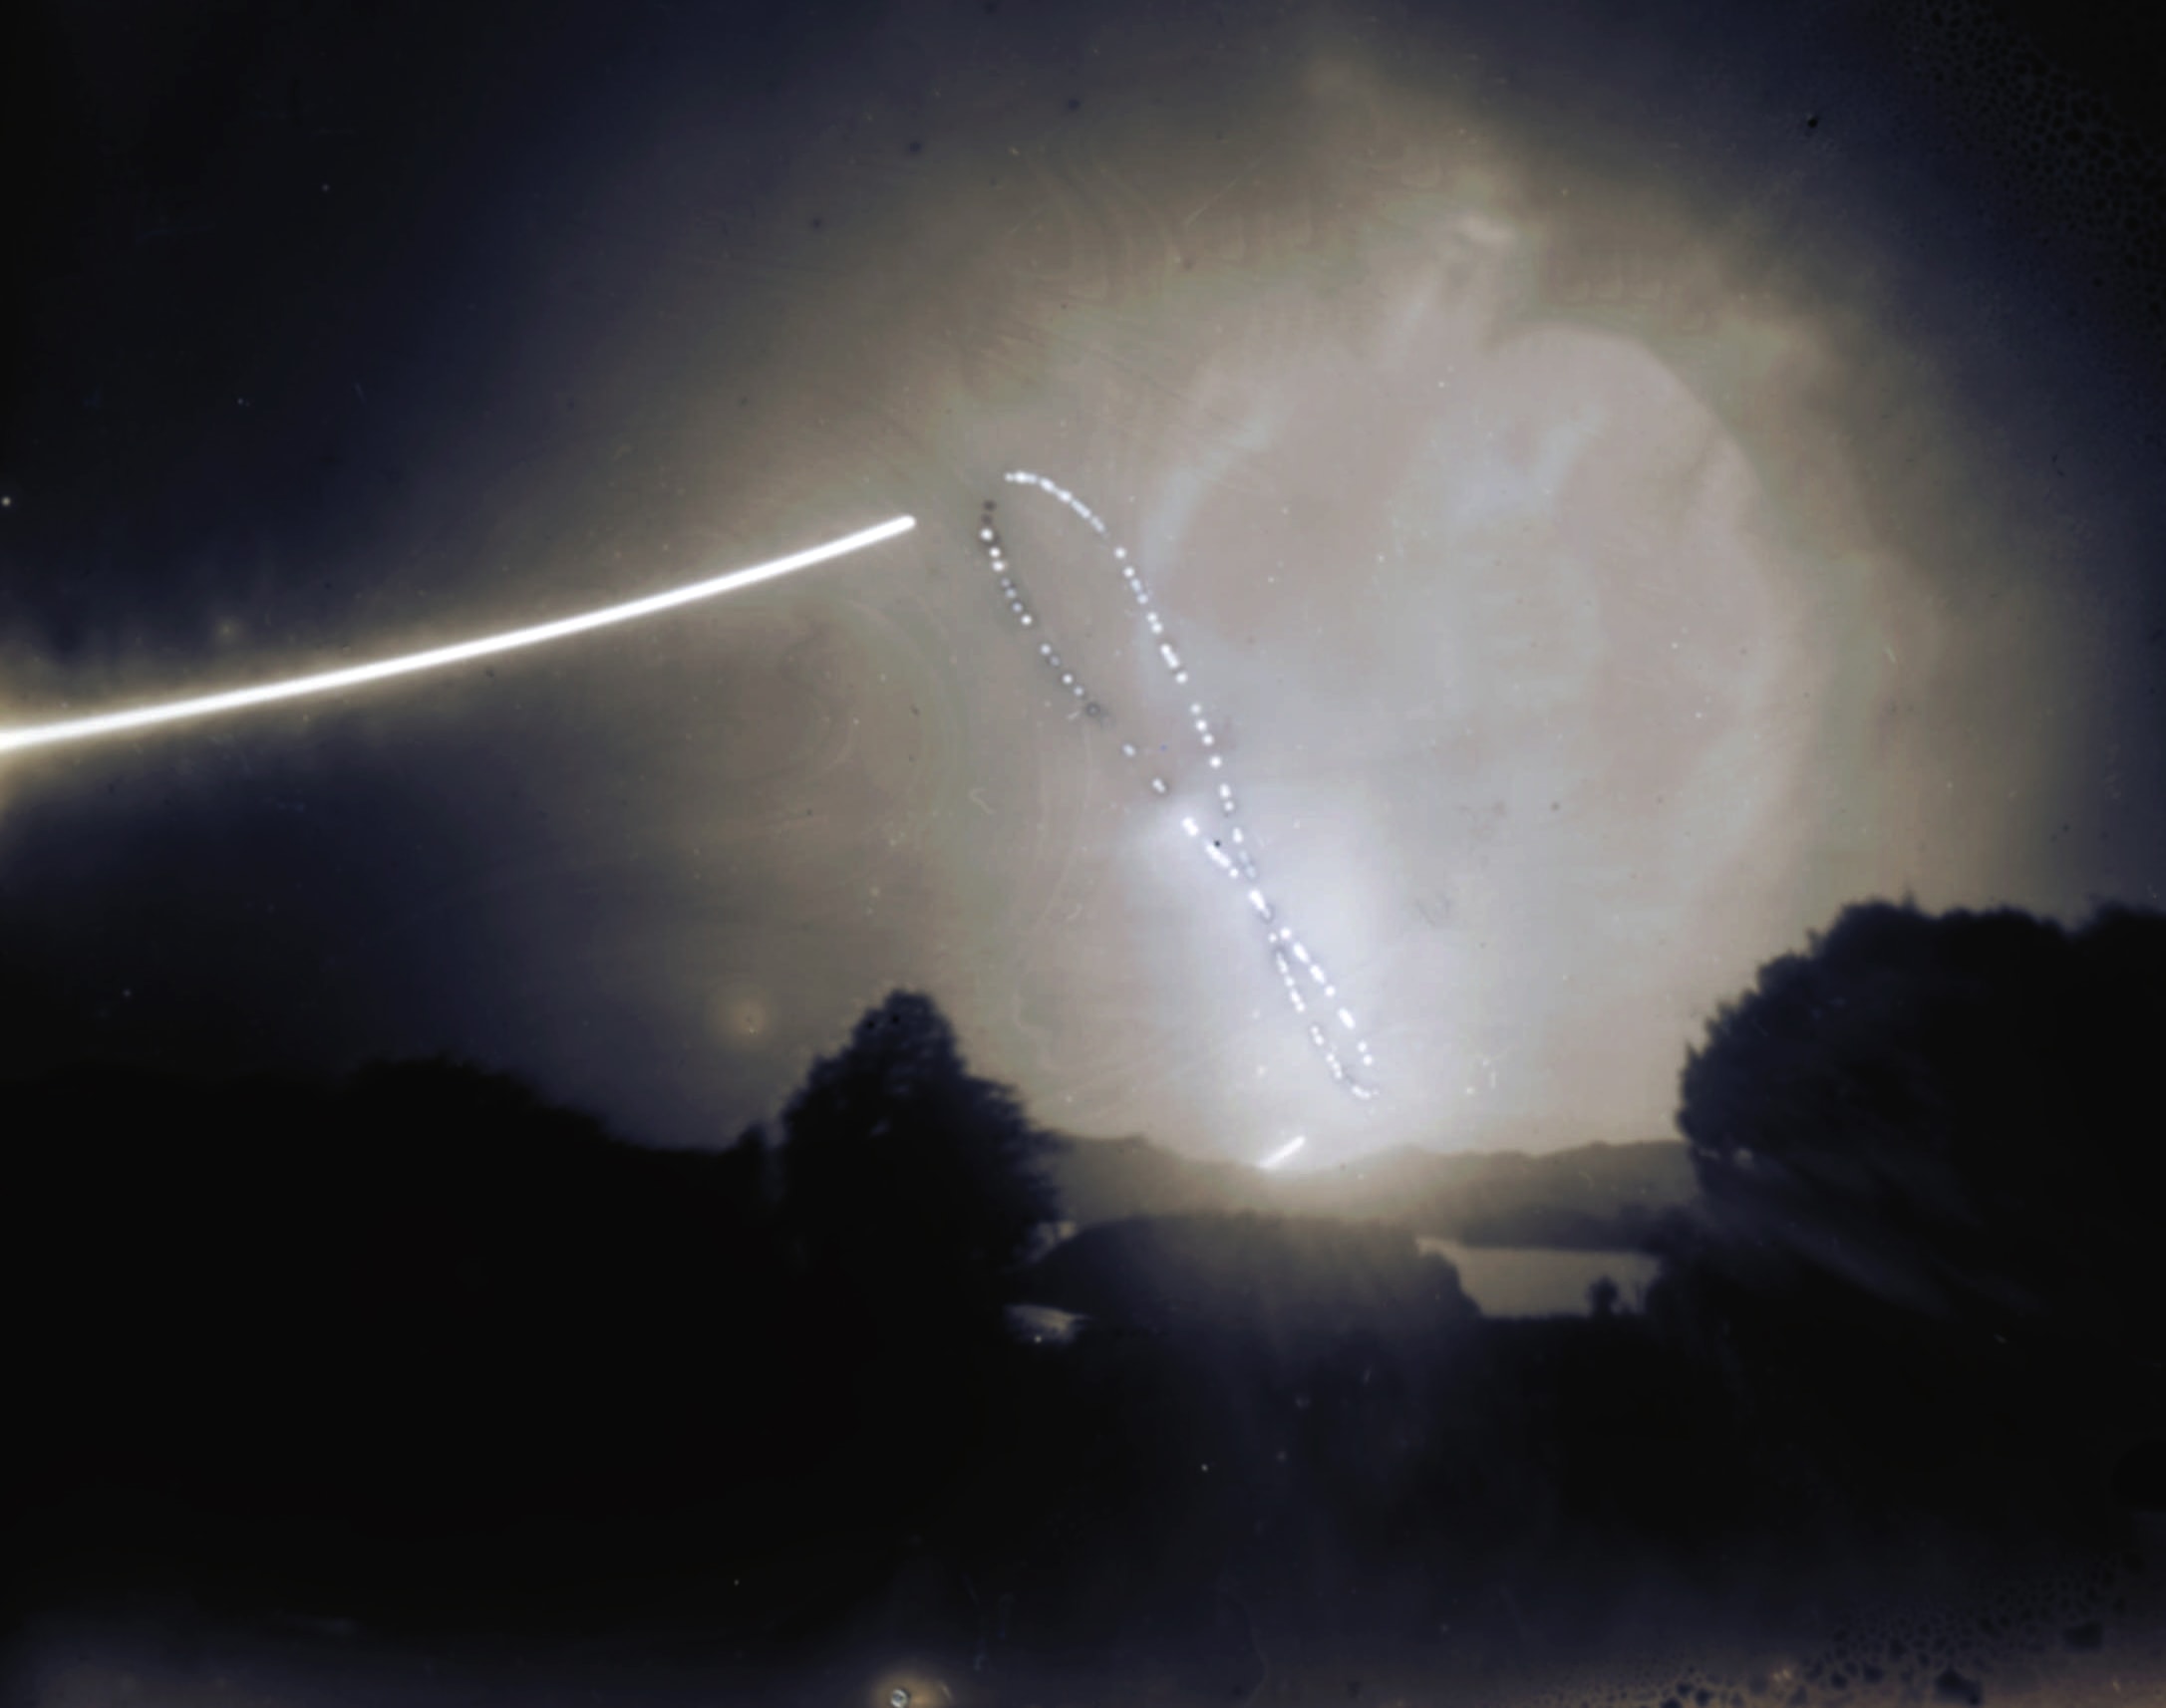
[1598, 1197]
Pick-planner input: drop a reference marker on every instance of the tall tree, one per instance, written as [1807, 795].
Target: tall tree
[1956, 1113]
[910, 1192]
[1930, 1153]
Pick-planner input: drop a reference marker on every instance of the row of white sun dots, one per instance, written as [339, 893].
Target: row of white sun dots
[1289, 955]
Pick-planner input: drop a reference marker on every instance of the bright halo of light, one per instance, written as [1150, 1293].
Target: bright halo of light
[1229, 853]
[1280, 1154]
[487, 646]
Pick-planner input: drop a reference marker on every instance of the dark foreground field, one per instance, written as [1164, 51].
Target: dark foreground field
[411, 1386]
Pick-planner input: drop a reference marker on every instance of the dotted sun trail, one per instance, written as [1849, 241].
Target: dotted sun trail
[407, 663]
[1333, 1030]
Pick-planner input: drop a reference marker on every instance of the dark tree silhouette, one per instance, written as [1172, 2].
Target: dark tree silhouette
[1956, 1113]
[919, 1183]
[911, 1192]
[1929, 1152]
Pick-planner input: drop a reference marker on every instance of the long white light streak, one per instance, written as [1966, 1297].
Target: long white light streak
[355, 676]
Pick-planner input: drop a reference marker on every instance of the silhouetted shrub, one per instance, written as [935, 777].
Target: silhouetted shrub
[1278, 1278]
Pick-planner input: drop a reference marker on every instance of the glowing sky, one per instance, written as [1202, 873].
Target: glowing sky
[1614, 519]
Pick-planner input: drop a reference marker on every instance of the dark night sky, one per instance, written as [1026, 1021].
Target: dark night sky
[1627, 481]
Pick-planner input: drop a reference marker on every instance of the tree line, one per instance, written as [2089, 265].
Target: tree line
[420, 1337]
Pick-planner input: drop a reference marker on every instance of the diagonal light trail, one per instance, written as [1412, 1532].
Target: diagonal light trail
[487, 646]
